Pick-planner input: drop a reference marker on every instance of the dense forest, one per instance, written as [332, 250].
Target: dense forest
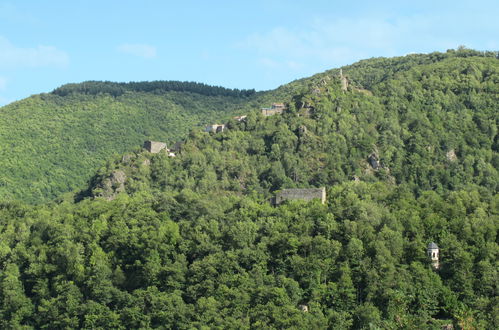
[408, 151]
[52, 144]
[117, 89]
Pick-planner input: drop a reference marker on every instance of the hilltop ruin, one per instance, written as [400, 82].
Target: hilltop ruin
[305, 194]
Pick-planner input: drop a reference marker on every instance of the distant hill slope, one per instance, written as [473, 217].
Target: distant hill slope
[51, 143]
[431, 124]
[406, 148]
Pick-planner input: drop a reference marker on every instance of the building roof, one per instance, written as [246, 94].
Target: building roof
[432, 245]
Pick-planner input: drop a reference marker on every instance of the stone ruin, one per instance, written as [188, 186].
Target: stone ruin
[154, 146]
[451, 155]
[305, 194]
[240, 118]
[374, 161]
[303, 308]
[275, 109]
[344, 81]
[215, 128]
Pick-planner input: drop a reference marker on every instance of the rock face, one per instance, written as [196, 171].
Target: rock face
[316, 91]
[300, 194]
[451, 155]
[112, 186]
[374, 161]
[126, 158]
[302, 130]
[177, 147]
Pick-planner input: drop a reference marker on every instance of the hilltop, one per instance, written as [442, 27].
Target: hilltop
[407, 151]
[52, 143]
[430, 124]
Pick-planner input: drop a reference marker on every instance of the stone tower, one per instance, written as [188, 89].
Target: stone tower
[154, 147]
[344, 81]
[432, 252]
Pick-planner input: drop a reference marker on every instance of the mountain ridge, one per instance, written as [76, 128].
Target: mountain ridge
[102, 119]
[408, 159]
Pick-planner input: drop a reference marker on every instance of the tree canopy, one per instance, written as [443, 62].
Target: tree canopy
[408, 155]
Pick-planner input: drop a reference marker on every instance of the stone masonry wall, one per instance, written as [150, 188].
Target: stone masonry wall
[154, 147]
[301, 194]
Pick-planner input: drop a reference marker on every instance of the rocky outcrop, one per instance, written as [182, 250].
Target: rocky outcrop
[111, 186]
[302, 130]
[451, 155]
[374, 161]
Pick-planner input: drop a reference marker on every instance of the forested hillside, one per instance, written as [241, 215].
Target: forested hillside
[407, 149]
[52, 143]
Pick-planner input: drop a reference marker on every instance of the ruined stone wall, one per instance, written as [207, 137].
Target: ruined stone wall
[270, 112]
[215, 128]
[301, 194]
[154, 147]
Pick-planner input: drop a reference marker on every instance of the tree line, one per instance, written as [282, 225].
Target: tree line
[160, 86]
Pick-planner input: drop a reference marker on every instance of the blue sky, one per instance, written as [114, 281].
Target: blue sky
[237, 44]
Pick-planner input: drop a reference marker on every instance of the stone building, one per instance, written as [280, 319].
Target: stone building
[215, 128]
[433, 252]
[344, 81]
[275, 109]
[240, 118]
[305, 194]
[154, 147]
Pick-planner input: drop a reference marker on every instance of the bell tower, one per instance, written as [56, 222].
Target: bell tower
[433, 252]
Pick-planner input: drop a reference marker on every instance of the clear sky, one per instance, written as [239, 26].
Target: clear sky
[237, 44]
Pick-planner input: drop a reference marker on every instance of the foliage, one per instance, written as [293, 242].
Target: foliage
[192, 241]
[117, 89]
[51, 144]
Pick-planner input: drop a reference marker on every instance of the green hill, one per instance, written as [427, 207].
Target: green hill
[52, 143]
[407, 149]
[432, 126]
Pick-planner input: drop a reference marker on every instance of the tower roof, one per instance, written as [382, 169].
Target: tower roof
[432, 245]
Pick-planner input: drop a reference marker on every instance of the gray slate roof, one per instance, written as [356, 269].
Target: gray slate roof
[432, 245]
